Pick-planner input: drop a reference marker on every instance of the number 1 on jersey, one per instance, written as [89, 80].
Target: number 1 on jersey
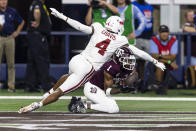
[103, 46]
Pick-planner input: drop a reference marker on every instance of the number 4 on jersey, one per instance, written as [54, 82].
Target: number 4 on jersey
[103, 46]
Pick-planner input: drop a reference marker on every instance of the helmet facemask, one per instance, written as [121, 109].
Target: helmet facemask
[128, 63]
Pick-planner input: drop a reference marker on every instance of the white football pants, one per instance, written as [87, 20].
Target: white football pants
[101, 101]
[80, 70]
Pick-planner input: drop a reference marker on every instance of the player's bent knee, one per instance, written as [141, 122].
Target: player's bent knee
[113, 108]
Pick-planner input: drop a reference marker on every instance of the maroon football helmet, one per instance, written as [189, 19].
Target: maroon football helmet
[125, 57]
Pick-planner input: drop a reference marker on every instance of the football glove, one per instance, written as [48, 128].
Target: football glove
[58, 14]
[159, 64]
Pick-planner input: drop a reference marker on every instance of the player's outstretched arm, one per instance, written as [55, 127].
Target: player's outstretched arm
[75, 24]
[146, 56]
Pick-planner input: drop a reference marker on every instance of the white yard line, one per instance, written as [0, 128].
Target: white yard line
[67, 126]
[116, 98]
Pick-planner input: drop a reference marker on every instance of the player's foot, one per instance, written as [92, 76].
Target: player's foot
[72, 105]
[77, 105]
[29, 108]
[82, 108]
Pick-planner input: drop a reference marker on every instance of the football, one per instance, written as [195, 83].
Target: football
[133, 77]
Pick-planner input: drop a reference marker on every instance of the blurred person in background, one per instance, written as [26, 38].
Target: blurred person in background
[99, 11]
[128, 14]
[195, 19]
[143, 41]
[8, 18]
[38, 28]
[163, 47]
[190, 26]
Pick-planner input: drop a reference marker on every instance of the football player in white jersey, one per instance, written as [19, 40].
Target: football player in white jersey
[104, 41]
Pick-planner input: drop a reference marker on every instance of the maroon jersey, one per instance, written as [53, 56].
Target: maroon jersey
[111, 68]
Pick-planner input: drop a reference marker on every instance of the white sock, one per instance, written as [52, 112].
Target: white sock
[48, 93]
[40, 104]
[51, 91]
[85, 105]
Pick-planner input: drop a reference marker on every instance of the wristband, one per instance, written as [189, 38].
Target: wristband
[169, 62]
[107, 92]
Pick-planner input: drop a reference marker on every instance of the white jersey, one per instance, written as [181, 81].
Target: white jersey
[102, 45]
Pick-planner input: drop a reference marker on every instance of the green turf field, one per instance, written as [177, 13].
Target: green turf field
[125, 105]
[79, 92]
[61, 105]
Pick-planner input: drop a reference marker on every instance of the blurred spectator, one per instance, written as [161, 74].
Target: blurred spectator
[39, 26]
[129, 13]
[164, 48]
[99, 11]
[143, 41]
[190, 26]
[195, 19]
[8, 18]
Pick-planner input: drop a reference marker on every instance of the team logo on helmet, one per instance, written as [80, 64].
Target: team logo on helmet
[125, 57]
[115, 25]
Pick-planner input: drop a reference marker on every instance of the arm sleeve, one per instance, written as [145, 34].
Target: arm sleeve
[174, 49]
[79, 26]
[141, 53]
[142, 20]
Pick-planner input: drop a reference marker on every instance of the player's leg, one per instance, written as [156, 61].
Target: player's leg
[78, 77]
[52, 97]
[101, 101]
[35, 105]
[59, 82]
[81, 70]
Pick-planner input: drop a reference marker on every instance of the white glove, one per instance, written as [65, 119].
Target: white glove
[58, 14]
[159, 64]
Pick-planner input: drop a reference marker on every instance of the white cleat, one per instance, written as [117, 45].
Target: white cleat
[29, 108]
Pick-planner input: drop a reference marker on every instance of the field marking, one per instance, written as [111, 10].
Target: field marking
[19, 118]
[116, 98]
[55, 126]
[122, 120]
[58, 124]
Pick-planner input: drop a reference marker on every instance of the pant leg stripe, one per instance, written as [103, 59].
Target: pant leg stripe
[82, 81]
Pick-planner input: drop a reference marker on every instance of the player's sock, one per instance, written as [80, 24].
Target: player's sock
[85, 105]
[40, 104]
[48, 93]
[51, 91]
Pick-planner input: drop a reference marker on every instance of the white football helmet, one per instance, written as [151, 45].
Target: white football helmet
[115, 24]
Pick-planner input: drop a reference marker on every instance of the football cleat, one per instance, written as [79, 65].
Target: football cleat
[76, 105]
[72, 104]
[29, 108]
[82, 108]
